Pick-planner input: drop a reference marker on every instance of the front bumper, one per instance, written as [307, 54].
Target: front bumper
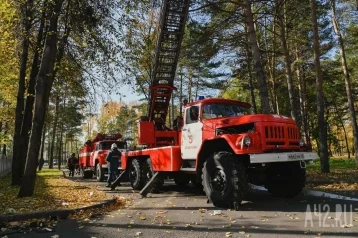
[282, 157]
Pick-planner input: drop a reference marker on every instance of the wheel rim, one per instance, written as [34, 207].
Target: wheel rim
[218, 180]
[133, 173]
[149, 175]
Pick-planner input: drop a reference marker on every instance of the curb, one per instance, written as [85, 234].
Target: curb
[57, 213]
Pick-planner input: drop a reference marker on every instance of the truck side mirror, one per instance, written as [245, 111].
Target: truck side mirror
[194, 113]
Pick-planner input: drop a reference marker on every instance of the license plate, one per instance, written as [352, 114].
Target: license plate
[296, 156]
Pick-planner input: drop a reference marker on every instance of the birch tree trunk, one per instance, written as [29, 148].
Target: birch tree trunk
[303, 110]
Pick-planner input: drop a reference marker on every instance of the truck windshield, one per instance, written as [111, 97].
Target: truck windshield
[107, 145]
[217, 110]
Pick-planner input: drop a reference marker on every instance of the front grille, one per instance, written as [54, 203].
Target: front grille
[281, 135]
[293, 133]
[274, 132]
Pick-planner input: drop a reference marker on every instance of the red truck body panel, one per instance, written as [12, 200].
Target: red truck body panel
[163, 159]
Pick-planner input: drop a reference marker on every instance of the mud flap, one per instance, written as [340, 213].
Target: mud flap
[155, 178]
[118, 180]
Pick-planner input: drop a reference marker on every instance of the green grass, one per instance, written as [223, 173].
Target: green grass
[49, 172]
[336, 163]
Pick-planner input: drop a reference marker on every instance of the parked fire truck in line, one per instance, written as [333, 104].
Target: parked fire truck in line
[92, 157]
[217, 143]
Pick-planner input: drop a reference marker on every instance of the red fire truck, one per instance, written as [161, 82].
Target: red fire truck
[93, 154]
[217, 144]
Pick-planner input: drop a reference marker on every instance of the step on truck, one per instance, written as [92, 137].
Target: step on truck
[92, 157]
[217, 144]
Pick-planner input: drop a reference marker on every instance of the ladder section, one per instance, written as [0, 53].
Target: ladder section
[170, 35]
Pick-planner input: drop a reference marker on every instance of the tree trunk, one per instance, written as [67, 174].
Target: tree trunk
[257, 59]
[320, 99]
[196, 90]
[248, 62]
[190, 84]
[43, 89]
[26, 22]
[288, 71]
[43, 141]
[59, 158]
[346, 77]
[272, 70]
[302, 92]
[181, 92]
[60, 154]
[54, 130]
[344, 129]
[30, 98]
[6, 127]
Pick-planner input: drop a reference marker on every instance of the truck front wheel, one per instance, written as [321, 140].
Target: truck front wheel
[285, 179]
[224, 180]
[137, 174]
[99, 173]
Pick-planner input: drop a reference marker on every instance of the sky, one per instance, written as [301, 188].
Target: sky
[127, 94]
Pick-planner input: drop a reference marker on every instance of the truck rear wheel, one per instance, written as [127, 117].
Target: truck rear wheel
[224, 180]
[150, 172]
[99, 173]
[286, 179]
[137, 174]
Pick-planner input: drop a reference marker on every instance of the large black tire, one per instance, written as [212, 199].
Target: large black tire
[225, 180]
[149, 174]
[137, 176]
[285, 179]
[182, 180]
[99, 173]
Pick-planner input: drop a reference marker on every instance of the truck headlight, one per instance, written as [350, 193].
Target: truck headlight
[246, 141]
[302, 143]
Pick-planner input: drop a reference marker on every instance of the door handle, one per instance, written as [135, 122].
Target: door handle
[184, 129]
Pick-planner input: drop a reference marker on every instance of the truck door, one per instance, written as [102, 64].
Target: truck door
[191, 133]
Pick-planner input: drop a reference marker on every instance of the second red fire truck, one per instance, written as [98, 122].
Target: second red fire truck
[93, 154]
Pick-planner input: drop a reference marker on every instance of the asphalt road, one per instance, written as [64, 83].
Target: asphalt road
[185, 213]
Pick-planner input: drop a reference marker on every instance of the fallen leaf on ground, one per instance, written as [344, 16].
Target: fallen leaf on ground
[217, 212]
[347, 226]
[228, 234]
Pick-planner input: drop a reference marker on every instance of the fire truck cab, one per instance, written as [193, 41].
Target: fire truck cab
[92, 157]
